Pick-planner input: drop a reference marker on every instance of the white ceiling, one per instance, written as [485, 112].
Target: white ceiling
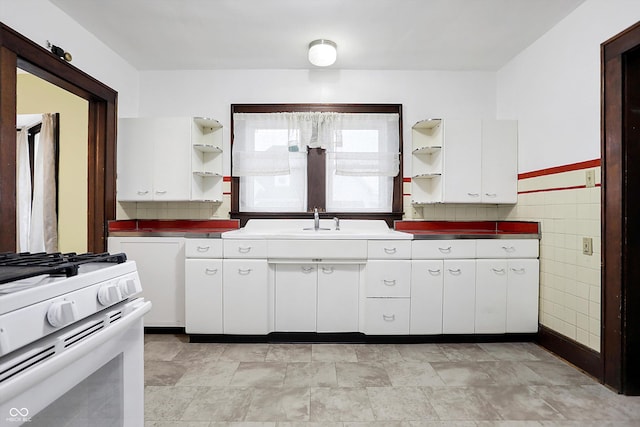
[371, 34]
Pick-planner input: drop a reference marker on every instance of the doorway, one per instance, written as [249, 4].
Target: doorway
[621, 211]
[17, 51]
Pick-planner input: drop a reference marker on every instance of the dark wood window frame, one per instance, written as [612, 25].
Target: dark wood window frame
[316, 162]
[18, 51]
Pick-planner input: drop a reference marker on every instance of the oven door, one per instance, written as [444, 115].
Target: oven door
[89, 373]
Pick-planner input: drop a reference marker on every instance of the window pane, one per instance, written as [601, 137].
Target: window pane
[358, 193]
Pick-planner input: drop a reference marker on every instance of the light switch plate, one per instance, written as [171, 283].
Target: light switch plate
[587, 246]
[590, 178]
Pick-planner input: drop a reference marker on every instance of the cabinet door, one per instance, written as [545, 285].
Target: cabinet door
[160, 264]
[135, 160]
[295, 303]
[522, 296]
[172, 158]
[462, 154]
[386, 278]
[245, 296]
[459, 295]
[338, 298]
[203, 296]
[387, 316]
[426, 297]
[491, 296]
[499, 161]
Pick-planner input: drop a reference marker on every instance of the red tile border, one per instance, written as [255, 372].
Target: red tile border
[468, 227]
[559, 169]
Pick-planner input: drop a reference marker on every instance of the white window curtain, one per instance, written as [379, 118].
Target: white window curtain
[41, 229]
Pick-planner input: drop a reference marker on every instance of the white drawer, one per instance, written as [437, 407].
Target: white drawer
[389, 249]
[245, 248]
[387, 316]
[442, 249]
[508, 248]
[388, 278]
[318, 249]
[203, 248]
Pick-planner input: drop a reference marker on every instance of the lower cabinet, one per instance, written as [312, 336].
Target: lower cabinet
[316, 297]
[246, 297]
[426, 297]
[387, 303]
[203, 296]
[387, 316]
[522, 295]
[459, 296]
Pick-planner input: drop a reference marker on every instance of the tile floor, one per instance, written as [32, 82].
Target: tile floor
[349, 385]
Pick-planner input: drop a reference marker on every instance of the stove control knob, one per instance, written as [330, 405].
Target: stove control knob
[109, 294]
[127, 287]
[62, 313]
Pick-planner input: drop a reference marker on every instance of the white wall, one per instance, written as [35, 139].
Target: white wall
[39, 20]
[423, 94]
[553, 87]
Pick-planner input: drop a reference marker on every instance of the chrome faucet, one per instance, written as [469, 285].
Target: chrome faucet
[337, 221]
[316, 219]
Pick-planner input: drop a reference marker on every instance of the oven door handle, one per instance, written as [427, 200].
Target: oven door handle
[133, 312]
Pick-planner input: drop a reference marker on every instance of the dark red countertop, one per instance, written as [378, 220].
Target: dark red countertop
[469, 229]
[173, 227]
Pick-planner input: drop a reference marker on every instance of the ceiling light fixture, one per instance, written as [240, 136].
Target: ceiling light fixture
[322, 53]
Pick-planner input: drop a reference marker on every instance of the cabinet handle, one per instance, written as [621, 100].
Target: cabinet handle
[389, 282]
[203, 248]
[210, 271]
[498, 270]
[490, 194]
[455, 271]
[473, 194]
[306, 269]
[518, 270]
[445, 250]
[161, 191]
[390, 250]
[143, 192]
[327, 270]
[433, 272]
[509, 249]
[244, 249]
[244, 271]
[388, 318]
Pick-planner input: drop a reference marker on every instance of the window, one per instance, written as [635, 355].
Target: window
[291, 158]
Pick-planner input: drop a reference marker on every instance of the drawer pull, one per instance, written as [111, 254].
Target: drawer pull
[327, 270]
[446, 250]
[203, 248]
[161, 191]
[306, 269]
[142, 192]
[509, 249]
[490, 194]
[473, 194]
[210, 271]
[519, 270]
[433, 272]
[244, 249]
[390, 250]
[389, 282]
[244, 271]
[388, 318]
[455, 271]
[498, 270]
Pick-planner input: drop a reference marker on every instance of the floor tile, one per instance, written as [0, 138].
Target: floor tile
[462, 373]
[333, 353]
[459, 404]
[508, 351]
[163, 373]
[511, 373]
[421, 353]
[215, 374]
[406, 374]
[519, 403]
[259, 374]
[289, 353]
[559, 373]
[162, 350]
[312, 374]
[466, 353]
[200, 353]
[219, 404]
[340, 404]
[244, 353]
[377, 353]
[400, 404]
[362, 375]
[167, 403]
[281, 404]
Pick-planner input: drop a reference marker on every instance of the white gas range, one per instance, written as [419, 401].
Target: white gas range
[71, 340]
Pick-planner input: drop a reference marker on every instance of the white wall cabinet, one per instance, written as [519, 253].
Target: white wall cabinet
[464, 161]
[169, 159]
[160, 263]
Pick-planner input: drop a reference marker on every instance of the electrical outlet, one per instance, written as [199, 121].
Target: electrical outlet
[587, 246]
[590, 178]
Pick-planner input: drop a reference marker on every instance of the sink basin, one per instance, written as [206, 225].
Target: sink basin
[303, 229]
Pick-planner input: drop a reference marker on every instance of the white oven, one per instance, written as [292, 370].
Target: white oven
[87, 367]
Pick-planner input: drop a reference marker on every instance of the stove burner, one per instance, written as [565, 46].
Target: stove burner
[17, 266]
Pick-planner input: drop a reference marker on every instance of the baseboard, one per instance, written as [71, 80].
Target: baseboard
[163, 330]
[573, 352]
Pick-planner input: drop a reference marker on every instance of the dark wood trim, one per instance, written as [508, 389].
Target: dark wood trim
[577, 354]
[617, 259]
[316, 182]
[390, 218]
[396, 204]
[18, 51]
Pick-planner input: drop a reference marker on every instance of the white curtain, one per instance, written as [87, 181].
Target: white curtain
[43, 235]
[23, 191]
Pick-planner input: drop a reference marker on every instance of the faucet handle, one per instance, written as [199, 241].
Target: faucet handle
[337, 220]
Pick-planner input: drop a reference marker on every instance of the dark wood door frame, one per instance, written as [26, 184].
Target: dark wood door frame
[620, 215]
[18, 51]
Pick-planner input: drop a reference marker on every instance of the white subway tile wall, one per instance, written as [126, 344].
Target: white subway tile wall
[568, 211]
